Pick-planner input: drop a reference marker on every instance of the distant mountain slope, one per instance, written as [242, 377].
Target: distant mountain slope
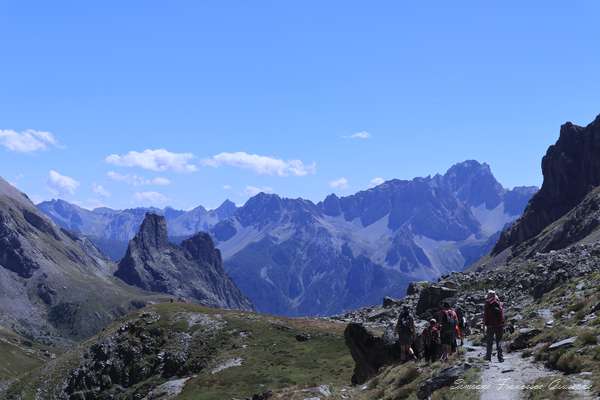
[53, 284]
[110, 230]
[193, 270]
[294, 257]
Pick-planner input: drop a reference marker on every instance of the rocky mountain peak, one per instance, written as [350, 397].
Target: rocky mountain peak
[193, 270]
[262, 208]
[571, 169]
[153, 232]
[474, 183]
[202, 248]
[226, 209]
[331, 205]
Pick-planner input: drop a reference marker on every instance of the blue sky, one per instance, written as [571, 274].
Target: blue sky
[187, 103]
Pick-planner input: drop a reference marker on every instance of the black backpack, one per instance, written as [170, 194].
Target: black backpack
[405, 322]
[448, 321]
[496, 310]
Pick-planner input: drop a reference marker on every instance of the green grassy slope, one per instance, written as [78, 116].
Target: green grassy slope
[272, 358]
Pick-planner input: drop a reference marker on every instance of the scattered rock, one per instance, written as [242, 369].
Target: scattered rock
[168, 390]
[234, 362]
[303, 337]
[445, 377]
[563, 343]
[389, 302]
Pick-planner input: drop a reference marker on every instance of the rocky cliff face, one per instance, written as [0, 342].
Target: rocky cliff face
[192, 270]
[53, 285]
[571, 169]
[294, 257]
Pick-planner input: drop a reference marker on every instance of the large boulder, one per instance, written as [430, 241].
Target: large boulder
[522, 340]
[370, 352]
[431, 298]
[416, 287]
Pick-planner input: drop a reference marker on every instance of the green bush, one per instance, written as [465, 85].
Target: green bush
[569, 363]
[588, 338]
[580, 305]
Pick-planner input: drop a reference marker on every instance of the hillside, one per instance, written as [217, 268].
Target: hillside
[198, 353]
[52, 284]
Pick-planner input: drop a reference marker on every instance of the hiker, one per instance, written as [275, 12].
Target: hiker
[461, 327]
[493, 320]
[448, 322]
[406, 334]
[431, 341]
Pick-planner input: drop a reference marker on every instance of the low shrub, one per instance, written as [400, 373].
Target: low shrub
[569, 363]
[588, 338]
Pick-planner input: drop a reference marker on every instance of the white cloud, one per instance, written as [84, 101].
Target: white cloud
[150, 198]
[99, 190]
[136, 180]
[226, 187]
[341, 183]
[262, 165]
[363, 135]
[154, 160]
[61, 184]
[376, 181]
[253, 190]
[160, 181]
[27, 141]
[90, 204]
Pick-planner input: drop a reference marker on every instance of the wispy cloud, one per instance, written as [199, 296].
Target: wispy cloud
[226, 187]
[61, 184]
[362, 135]
[154, 160]
[262, 165]
[27, 141]
[99, 190]
[136, 180]
[90, 204]
[253, 190]
[341, 183]
[150, 198]
[376, 181]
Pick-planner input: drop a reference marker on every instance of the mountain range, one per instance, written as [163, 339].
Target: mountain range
[110, 230]
[294, 257]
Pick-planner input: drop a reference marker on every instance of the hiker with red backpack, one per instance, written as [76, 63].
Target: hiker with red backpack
[406, 330]
[493, 320]
[448, 322]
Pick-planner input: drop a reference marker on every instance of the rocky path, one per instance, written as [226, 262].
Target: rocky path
[504, 381]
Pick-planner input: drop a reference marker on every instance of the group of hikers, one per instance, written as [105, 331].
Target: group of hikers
[442, 335]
